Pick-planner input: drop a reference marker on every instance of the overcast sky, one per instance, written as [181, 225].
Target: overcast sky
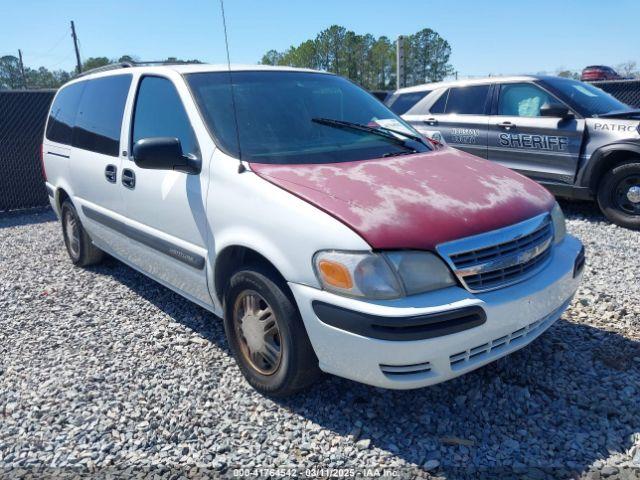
[487, 37]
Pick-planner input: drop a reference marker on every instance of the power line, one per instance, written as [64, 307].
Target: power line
[56, 44]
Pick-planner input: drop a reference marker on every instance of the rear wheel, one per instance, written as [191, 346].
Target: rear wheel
[619, 195]
[266, 334]
[79, 246]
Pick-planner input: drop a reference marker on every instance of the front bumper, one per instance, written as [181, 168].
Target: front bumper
[515, 315]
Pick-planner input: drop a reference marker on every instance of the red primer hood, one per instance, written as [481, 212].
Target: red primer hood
[414, 201]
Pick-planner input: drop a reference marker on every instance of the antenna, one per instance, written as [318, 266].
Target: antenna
[241, 167]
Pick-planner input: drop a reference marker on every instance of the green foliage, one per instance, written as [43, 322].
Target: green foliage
[568, 74]
[95, 62]
[11, 77]
[367, 60]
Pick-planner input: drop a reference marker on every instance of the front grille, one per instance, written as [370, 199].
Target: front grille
[497, 278]
[502, 257]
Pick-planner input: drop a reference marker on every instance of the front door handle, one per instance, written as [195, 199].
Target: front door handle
[111, 173]
[128, 178]
[431, 121]
[507, 125]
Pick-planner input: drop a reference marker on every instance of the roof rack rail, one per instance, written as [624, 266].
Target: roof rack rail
[105, 68]
[130, 64]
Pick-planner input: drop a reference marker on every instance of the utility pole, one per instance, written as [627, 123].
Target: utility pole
[24, 78]
[75, 45]
[400, 62]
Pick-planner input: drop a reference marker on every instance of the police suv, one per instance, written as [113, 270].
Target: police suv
[572, 137]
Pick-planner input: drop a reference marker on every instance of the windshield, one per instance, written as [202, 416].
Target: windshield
[277, 115]
[587, 99]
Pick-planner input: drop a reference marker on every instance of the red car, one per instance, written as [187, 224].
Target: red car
[594, 73]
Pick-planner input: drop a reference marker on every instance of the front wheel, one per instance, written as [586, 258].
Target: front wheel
[80, 248]
[266, 334]
[619, 195]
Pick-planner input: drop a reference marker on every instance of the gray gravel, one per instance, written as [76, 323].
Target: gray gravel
[104, 371]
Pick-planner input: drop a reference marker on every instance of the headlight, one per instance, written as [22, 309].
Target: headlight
[559, 224]
[381, 276]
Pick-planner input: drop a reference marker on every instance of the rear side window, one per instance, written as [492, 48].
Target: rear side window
[468, 100]
[63, 114]
[438, 105]
[159, 113]
[401, 103]
[99, 118]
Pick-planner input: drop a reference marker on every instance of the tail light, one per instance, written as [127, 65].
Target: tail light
[44, 172]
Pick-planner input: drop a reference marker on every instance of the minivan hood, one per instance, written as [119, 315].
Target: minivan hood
[414, 201]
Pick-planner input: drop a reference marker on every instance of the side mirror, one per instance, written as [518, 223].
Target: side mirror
[556, 110]
[164, 153]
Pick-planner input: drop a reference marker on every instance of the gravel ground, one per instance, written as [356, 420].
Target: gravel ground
[104, 371]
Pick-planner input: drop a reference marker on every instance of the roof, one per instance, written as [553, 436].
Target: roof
[185, 68]
[468, 82]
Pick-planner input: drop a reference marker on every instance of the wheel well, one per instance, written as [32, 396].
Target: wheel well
[232, 259]
[62, 196]
[609, 161]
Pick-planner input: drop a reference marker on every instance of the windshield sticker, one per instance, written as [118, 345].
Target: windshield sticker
[434, 135]
[468, 136]
[534, 142]
[391, 123]
[614, 127]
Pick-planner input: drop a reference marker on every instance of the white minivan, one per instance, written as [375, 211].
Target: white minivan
[329, 234]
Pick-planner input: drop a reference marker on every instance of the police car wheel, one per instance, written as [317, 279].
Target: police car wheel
[619, 195]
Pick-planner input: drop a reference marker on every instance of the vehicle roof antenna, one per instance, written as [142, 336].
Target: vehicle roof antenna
[241, 167]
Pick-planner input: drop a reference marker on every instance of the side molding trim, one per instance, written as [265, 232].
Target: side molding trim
[181, 254]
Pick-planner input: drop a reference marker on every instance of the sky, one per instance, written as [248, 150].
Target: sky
[488, 37]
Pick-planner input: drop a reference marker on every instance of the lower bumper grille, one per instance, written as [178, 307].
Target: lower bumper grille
[406, 369]
[513, 340]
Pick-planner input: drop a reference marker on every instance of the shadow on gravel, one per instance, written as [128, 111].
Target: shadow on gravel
[26, 217]
[550, 410]
[577, 210]
[541, 412]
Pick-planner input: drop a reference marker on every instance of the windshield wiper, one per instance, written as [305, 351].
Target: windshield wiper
[363, 128]
[620, 113]
[411, 136]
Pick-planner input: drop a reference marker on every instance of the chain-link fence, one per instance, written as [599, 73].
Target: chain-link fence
[22, 118]
[23, 115]
[627, 91]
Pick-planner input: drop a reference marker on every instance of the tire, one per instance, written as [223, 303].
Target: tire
[612, 199]
[295, 367]
[80, 248]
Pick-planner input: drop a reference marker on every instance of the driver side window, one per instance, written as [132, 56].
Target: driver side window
[159, 113]
[522, 100]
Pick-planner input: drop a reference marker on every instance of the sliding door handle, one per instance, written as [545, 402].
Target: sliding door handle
[128, 178]
[111, 173]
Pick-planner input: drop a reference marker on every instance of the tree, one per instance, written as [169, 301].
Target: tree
[95, 62]
[568, 74]
[272, 57]
[628, 69]
[368, 60]
[10, 75]
[427, 57]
